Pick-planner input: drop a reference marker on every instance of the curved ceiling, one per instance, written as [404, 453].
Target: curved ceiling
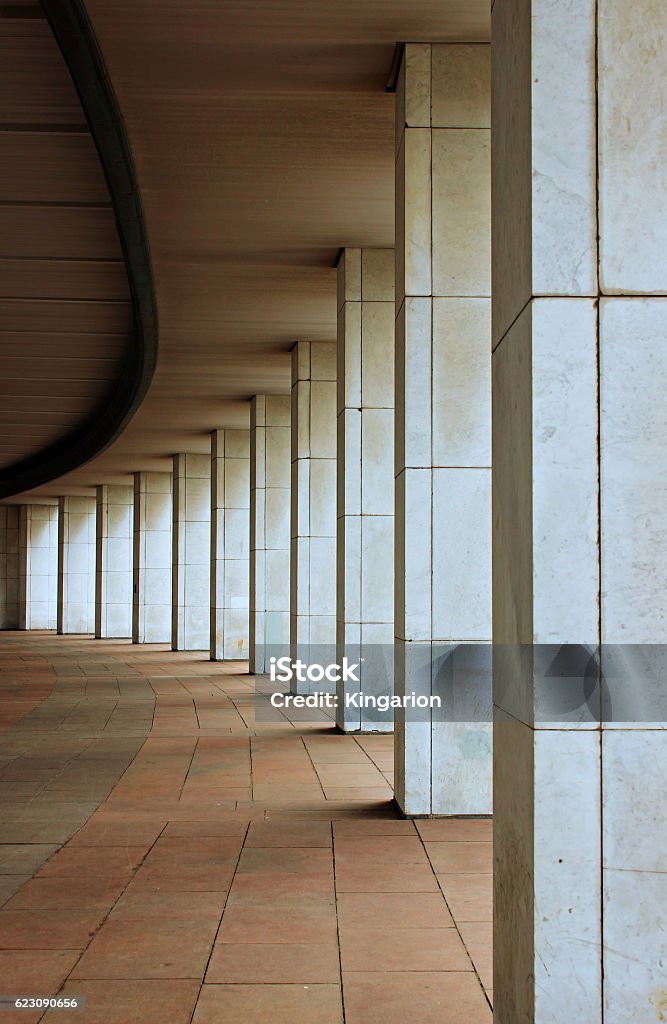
[66, 318]
[262, 138]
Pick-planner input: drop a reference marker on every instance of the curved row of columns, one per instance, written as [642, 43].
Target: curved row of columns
[355, 511]
[578, 373]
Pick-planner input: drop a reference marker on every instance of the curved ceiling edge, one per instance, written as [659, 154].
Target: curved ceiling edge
[71, 27]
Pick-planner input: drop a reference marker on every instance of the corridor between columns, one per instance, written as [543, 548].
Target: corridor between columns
[173, 850]
[406, 268]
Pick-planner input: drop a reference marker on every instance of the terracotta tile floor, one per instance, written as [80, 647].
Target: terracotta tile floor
[170, 853]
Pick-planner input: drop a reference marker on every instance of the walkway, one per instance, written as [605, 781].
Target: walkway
[172, 852]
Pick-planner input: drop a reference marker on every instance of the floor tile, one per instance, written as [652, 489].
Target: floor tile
[58, 893]
[24, 858]
[129, 1002]
[48, 929]
[448, 858]
[280, 924]
[427, 998]
[373, 827]
[190, 864]
[133, 948]
[353, 877]
[206, 829]
[150, 905]
[10, 884]
[295, 860]
[287, 963]
[259, 1004]
[469, 897]
[28, 971]
[118, 833]
[282, 888]
[80, 861]
[453, 830]
[402, 949]
[399, 850]
[386, 909]
[306, 834]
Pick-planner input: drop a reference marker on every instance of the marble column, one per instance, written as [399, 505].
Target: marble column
[365, 489]
[191, 595]
[579, 378]
[269, 528]
[313, 514]
[76, 564]
[9, 566]
[113, 563]
[38, 566]
[443, 433]
[151, 592]
[230, 544]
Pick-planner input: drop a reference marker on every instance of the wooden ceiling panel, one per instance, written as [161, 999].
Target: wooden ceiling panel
[65, 314]
[58, 232]
[45, 345]
[26, 367]
[65, 279]
[35, 87]
[9, 453]
[66, 317]
[50, 167]
[44, 417]
[69, 407]
[34, 389]
[44, 433]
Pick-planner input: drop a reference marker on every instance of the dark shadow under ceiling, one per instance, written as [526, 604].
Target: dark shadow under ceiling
[77, 336]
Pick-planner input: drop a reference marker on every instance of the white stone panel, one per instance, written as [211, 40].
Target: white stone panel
[567, 908]
[38, 566]
[377, 351]
[634, 872]
[461, 566]
[152, 558]
[377, 462]
[76, 565]
[377, 569]
[461, 382]
[564, 471]
[270, 448]
[563, 139]
[461, 212]
[633, 178]
[414, 555]
[633, 384]
[461, 89]
[413, 383]
[191, 536]
[414, 160]
[313, 498]
[462, 766]
[230, 544]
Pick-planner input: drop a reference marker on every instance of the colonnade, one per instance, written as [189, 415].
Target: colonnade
[431, 539]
